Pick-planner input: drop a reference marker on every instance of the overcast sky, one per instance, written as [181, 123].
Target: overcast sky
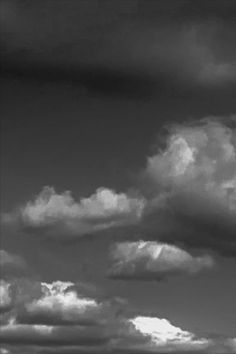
[118, 176]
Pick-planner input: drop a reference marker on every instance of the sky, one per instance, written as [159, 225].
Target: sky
[118, 177]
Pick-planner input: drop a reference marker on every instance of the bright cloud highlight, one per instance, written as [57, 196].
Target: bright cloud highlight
[165, 337]
[5, 296]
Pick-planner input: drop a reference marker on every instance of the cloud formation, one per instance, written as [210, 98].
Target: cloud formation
[5, 296]
[115, 332]
[154, 261]
[193, 182]
[188, 195]
[42, 335]
[204, 154]
[104, 209]
[162, 336]
[60, 304]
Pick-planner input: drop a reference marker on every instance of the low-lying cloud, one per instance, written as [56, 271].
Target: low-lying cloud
[116, 332]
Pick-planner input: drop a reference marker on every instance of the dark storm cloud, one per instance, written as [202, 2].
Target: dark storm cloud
[132, 47]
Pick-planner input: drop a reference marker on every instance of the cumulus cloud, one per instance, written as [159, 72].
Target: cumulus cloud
[61, 304]
[154, 261]
[194, 184]
[160, 335]
[102, 210]
[111, 334]
[203, 153]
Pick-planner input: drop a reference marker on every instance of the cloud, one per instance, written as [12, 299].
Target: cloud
[5, 296]
[4, 351]
[188, 196]
[231, 343]
[61, 304]
[151, 43]
[59, 212]
[53, 314]
[154, 261]
[159, 335]
[43, 335]
[193, 182]
[115, 332]
[139, 333]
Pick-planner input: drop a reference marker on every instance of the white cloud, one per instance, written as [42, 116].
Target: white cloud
[154, 260]
[161, 333]
[119, 333]
[60, 303]
[5, 295]
[204, 154]
[147, 334]
[102, 210]
[194, 179]
[153, 334]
